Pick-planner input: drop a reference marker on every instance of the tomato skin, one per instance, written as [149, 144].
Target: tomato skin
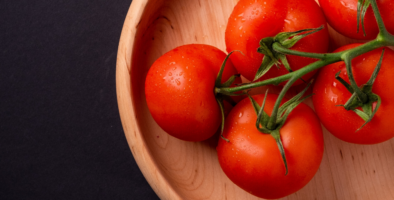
[253, 20]
[252, 159]
[342, 16]
[179, 90]
[329, 93]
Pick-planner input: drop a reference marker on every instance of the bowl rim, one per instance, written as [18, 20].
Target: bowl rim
[136, 142]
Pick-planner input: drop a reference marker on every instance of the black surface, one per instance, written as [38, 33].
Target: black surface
[60, 130]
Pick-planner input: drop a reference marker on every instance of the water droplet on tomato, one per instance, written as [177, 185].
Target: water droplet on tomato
[334, 99]
[178, 82]
[240, 114]
[334, 84]
[169, 74]
[347, 6]
[240, 27]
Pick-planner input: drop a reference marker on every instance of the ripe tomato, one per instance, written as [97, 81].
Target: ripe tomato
[342, 16]
[253, 20]
[252, 159]
[179, 90]
[329, 93]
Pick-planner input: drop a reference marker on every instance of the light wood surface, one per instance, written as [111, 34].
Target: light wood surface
[186, 170]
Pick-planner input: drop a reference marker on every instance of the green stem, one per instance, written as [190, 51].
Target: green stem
[275, 81]
[383, 35]
[378, 17]
[279, 48]
[328, 59]
[360, 95]
[348, 55]
[272, 122]
[388, 39]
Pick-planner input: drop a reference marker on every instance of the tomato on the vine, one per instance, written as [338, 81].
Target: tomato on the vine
[342, 16]
[179, 90]
[330, 93]
[252, 160]
[253, 20]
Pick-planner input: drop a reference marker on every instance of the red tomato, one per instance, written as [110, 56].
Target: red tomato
[342, 16]
[252, 159]
[329, 93]
[179, 90]
[253, 20]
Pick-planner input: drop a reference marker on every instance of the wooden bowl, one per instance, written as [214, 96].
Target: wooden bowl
[177, 169]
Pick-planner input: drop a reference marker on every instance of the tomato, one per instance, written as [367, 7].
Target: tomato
[252, 159]
[329, 93]
[253, 20]
[179, 90]
[342, 16]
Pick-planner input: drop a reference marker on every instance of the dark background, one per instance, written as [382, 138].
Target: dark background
[60, 130]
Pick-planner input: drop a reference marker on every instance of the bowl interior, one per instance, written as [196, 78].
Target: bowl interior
[190, 170]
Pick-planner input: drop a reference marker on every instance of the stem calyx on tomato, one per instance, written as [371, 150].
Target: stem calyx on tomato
[280, 118]
[286, 40]
[354, 102]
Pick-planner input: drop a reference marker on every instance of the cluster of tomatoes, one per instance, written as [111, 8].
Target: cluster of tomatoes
[180, 92]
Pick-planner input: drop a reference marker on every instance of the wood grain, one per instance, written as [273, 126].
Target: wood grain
[185, 170]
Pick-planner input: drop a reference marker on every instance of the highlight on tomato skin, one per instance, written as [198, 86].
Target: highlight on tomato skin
[179, 90]
[252, 159]
[253, 20]
[342, 16]
[330, 93]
